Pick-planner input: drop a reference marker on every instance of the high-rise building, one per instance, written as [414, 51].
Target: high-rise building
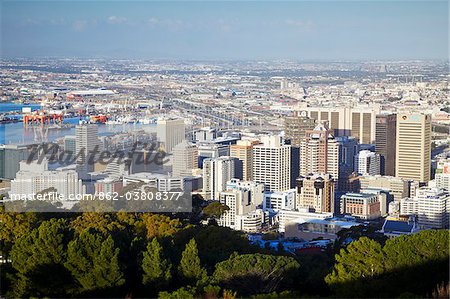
[295, 128]
[413, 148]
[271, 164]
[319, 152]
[185, 159]
[316, 191]
[70, 144]
[10, 157]
[348, 148]
[398, 187]
[243, 150]
[86, 142]
[367, 163]
[385, 142]
[358, 121]
[216, 173]
[170, 132]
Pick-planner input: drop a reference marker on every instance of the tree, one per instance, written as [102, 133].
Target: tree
[38, 258]
[182, 293]
[215, 209]
[14, 225]
[362, 258]
[160, 225]
[157, 270]
[190, 267]
[94, 261]
[365, 268]
[104, 223]
[256, 273]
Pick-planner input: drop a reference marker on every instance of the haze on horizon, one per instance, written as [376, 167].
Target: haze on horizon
[222, 30]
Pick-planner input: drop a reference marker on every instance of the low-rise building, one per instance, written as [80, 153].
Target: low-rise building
[362, 205]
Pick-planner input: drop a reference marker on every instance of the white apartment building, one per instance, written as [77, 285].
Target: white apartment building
[252, 221]
[33, 178]
[216, 173]
[256, 189]
[431, 205]
[239, 202]
[272, 164]
[284, 200]
[367, 163]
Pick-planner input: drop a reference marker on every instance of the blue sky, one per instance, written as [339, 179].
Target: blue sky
[300, 30]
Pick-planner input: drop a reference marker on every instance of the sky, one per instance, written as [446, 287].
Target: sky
[228, 30]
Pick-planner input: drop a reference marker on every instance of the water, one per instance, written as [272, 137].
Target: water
[17, 133]
[12, 107]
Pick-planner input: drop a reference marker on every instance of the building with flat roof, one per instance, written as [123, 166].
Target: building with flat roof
[170, 132]
[385, 142]
[398, 187]
[318, 228]
[316, 191]
[272, 164]
[362, 205]
[413, 148]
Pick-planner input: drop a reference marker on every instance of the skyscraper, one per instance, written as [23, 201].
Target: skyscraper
[413, 148]
[316, 191]
[271, 164]
[295, 128]
[348, 148]
[243, 150]
[170, 132]
[216, 173]
[185, 159]
[86, 142]
[319, 152]
[385, 142]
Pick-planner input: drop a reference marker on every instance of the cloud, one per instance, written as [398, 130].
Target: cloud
[169, 24]
[79, 25]
[300, 24]
[116, 20]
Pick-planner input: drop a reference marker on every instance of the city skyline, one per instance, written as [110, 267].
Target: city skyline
[226, 30]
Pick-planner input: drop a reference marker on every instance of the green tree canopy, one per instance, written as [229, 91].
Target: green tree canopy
[190, 267]
[419, 261]
[93, 260]
[256, 273]
[215, 209]
[156, 269]
[38, 257]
